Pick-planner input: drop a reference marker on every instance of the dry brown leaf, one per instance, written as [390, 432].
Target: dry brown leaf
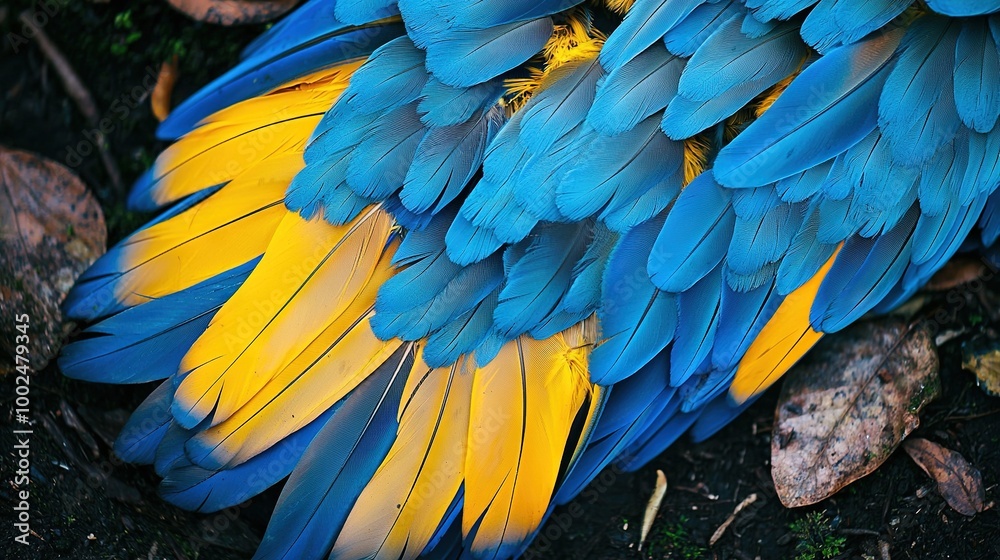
[959, 483]
[845, 409]
[959, 271]
[981, 356]
[233, 12]
[159, 100]
[51, 230]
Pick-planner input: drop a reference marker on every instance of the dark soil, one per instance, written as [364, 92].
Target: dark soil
[87, 505]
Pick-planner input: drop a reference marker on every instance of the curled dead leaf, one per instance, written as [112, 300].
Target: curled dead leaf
[159, 100]
[981, 356]
[51, 230]
[846, 407]
[959, 483]
[233, 12]
[959, 271]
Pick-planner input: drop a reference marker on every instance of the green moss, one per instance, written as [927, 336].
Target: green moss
[672, 540]
[816, 539]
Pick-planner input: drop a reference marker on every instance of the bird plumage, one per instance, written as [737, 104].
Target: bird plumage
[440, 262]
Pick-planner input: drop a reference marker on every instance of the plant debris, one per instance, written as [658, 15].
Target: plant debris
[960, 484]
[845, 409]
[51, 230]
[233, 12]
[981, 356]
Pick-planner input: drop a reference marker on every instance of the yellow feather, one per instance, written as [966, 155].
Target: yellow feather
[401, 508]
[224, 231]
[524, 403]
[310, 274]
[238, 137]
[343, 355]
[785, 339]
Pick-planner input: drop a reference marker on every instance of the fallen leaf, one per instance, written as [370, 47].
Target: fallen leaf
[847, 406]
[981, 356]
[233, 12]
[959, 483]
[51, 230]
[159, 100]
[959, 271]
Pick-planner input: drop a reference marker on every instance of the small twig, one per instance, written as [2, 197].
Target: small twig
[729, 520]
[653, 506]
[79, 93]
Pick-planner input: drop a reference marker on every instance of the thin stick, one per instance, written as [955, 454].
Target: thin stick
[729, 520]
[78, 92]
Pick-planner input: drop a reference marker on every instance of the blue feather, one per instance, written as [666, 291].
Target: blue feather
[171, 449]
[146, 427]
[944, 243]
[359, 12]
[989, 221]
[93, 295]
[719, 412]
[637, 320]
[443, 105]
[963, 8]
[766, 10]
[827, 109]
[661, 433]
[691, 32]
[728, 58]
[865, 271]
[483, 15]
[754, 204]
[805, 256]
[839, 22]
[635, 91]
[698, 319]
[462, 335]
[631, 405]
[445, 161]
[755, 28]
[378, 166]
[941, 182]
[466, 243]
[741, 318]
[556, 110]
[298, 46]
[393, 76]
[147, 342]
[618, 167]
[983, 170]
[646, 22]
[702, 389]
[695, 236]
[424, 270]
[199, 489]
[463, 290]
[322, 188]
[758, 242]
[917, 108]
[977, 76]
[685, 118]
[584, 294]
[336, 467]
[802, 186]
[464, 58]
[535, 186]
[623, 214]
[537, 281]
